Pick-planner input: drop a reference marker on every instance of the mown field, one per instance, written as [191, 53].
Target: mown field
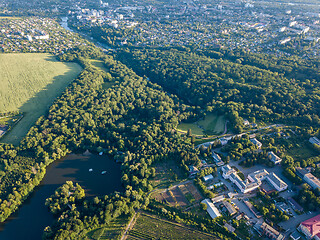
[212, 124]
[151, 227]
[30, 82]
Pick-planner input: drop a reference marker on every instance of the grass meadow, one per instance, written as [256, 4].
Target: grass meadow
[30, 82]
[212, 124]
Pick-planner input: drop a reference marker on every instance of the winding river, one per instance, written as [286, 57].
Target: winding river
[33, 216]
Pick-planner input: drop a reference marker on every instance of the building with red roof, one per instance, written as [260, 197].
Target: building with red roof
[311, 228]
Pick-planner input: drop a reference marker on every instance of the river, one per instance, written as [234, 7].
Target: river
[33, 216]
[104, 47]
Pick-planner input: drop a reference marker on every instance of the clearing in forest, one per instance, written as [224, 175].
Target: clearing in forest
[212, 124]
[30, 82]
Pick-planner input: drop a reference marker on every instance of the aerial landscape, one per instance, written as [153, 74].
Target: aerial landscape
[159, 119]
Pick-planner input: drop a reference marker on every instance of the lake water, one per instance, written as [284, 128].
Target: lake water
[33, 216]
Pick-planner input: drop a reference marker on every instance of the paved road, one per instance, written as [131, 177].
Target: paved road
[292, 224]
[206, 144]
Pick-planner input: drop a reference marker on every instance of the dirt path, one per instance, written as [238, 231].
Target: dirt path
[129, 226]
[225, 128]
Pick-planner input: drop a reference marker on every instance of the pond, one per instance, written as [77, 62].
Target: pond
[33, 216]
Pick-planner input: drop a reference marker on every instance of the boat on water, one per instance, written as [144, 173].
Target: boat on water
[90, 170]
[103, 172]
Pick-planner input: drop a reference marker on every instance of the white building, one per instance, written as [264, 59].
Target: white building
[285, 40]
[244, 186]
[211, 209]
[274, 158]
[254, 179]
[312, 180]
[314, 140]
[256, 142]
[208, 177]
[276, 182]
[217, 159]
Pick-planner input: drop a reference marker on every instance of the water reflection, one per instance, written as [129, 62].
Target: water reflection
[33, 216]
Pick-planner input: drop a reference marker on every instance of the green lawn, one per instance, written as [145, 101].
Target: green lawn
[194, 128]
[30, 82]
[100, 65]
[302, 151]
[212, 124]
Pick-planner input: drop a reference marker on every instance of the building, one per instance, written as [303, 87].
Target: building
[314, 140]
[274, 158]
[258, 175]
[246, 122]
[208, 178]
[266, 230]
[217, 159]
[276, 182]
[312, 180]
[254, 179]
[308, 177]
[284, 41]
[230, 208]
[283, 207]
[244, 186]
[311, 228]
[211, 209]
[227, 171]
[256, 142]
[252, 209]
[193, 170]
[229, 227]
[295, 205]
[218, 199]
[295, 235]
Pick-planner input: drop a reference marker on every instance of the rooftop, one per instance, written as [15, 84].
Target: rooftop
[313, 225]
[273, 177]
[211, 209]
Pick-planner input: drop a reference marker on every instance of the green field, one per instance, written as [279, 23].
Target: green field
[212, 124]
[151, 227]
[30, 82]
[100, 65]
[113, 231]
[302, 151]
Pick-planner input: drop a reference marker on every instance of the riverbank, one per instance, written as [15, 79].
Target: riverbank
[33, 216]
